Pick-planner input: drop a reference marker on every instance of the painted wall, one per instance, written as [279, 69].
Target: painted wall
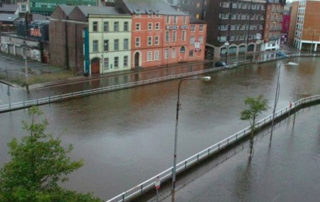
[111, 35]
[155, 54]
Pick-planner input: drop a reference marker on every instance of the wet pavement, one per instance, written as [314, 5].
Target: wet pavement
[126, 136]
[288, 170]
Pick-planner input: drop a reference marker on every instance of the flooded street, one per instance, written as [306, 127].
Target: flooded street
[126, 136]
[286, 171]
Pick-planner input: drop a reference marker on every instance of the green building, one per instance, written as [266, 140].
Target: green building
[46, 7]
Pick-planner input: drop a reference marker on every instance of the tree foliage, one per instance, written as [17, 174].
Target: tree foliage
[255, 107]
[39, 163]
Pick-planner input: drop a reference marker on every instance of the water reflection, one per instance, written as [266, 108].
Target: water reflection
[126, 136]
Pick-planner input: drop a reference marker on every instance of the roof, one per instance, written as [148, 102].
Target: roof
[66, 9]
[8, 17]
[197, 21]
[8, 8]
[96, 10]
[151, 7]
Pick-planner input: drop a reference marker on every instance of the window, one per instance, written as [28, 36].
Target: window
[149, 40]
[191, 53]
[149, 56]
[193, 28]
[95, 26]
[125, 61]
[106, 63]
[156, 55]
[183, 35]
[201, 39]
[150, 26]
[116, 26]
[126, 26]
[137, 42]
[116, 62]
[168, 19]
[173, 54]
[201, 28]
[95, 46]
[106, 45]
[166, 53]
[106, 26]
[182, 49]
[116, 44]
[198, 16]
[167, 36]
[156, 40]
[175, 20]
[184, 20]
[125, 44]
[157, 26]
[174, 38]
[192, 39]
[138, 26]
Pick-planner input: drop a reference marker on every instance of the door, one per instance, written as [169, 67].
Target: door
[136, 59]
[95, 66]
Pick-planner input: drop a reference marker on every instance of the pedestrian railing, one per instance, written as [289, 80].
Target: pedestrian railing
[202, 155]
[57, 98]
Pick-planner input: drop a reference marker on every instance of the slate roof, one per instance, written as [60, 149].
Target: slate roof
[151, 6]
[8, 17]
[66, 9]
[10, 8]
[96, 10]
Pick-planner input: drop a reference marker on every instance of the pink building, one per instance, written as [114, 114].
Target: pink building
[162, 35]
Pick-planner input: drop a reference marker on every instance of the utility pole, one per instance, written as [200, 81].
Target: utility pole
[26, 73]
[276, 98]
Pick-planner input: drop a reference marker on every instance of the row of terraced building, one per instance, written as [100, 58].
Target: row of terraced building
[131, 34]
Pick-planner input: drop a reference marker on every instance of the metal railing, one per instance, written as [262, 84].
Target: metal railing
[57, 98]
[185, 164]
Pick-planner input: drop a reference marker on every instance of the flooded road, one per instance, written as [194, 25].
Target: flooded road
[286, 171]
[126, 136]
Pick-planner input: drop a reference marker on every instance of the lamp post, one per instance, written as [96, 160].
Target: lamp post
[226, 44]
[203, 78]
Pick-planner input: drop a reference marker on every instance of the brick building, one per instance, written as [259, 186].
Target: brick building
[162, 35]
[273, 25]
[58, 36]
[307, 26]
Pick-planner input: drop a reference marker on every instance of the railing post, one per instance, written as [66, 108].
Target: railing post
[141, 188]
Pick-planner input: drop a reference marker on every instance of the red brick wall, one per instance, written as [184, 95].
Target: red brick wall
[163, 45]
[311, 27]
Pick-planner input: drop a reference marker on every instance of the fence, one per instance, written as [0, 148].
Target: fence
[202, 155]
[62, 97]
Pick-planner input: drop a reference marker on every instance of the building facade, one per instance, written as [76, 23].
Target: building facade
[307, 26]
[46, 7]
[109, 43]
[237, 26]
[162, 35]
[273, 25]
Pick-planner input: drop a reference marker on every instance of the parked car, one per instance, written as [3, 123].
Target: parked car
[281, 54]
[220, 64]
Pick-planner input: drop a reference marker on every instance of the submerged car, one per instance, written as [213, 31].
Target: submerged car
[220, 64]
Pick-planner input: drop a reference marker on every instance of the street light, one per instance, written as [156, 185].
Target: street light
[226, 44]
[203, 78]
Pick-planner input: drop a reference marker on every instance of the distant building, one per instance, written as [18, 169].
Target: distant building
[305, 18]
[197, 9]
[162, 35]
[46, 7]
[273, 25]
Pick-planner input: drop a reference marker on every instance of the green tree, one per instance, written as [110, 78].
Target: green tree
[255, 107]
[39, 164]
